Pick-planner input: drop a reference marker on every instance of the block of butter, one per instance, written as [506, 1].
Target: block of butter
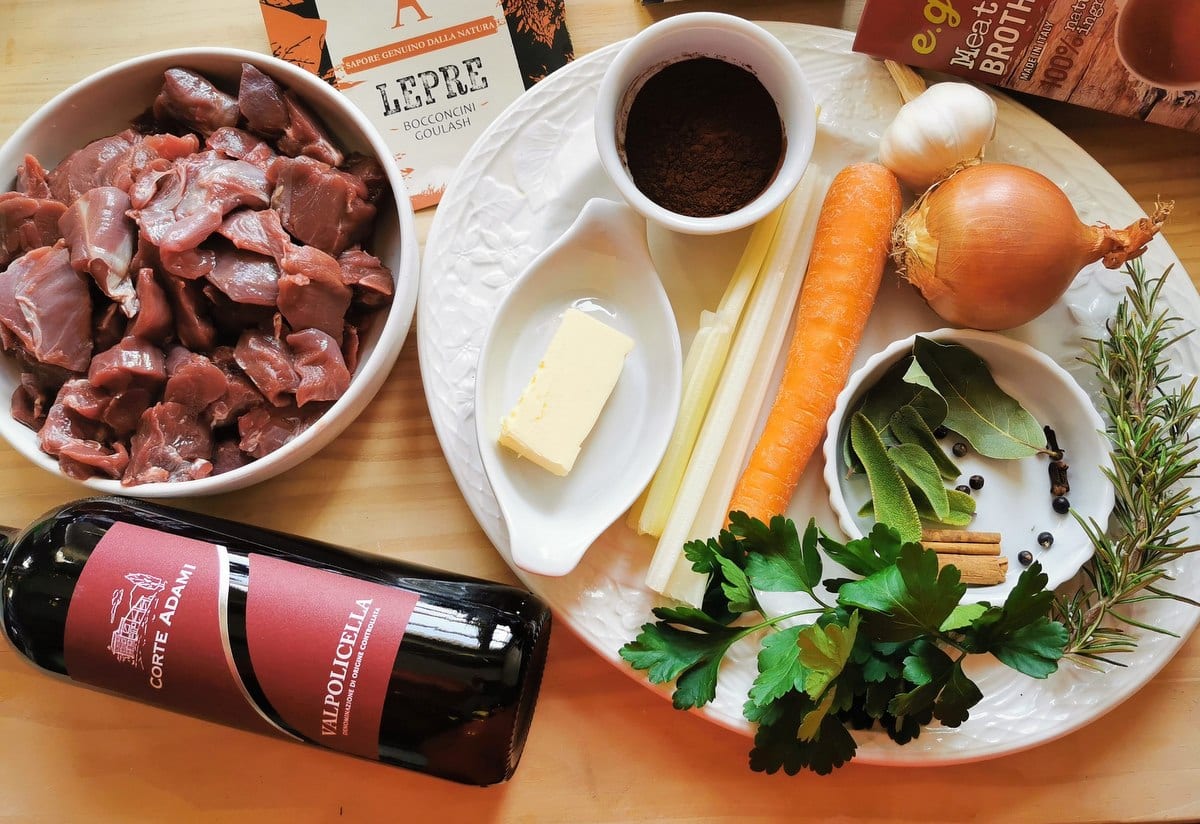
[563, 400]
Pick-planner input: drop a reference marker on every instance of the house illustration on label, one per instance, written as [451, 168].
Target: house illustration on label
[126, 645]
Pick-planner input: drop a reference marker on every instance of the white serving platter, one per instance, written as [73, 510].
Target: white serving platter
[525, 181]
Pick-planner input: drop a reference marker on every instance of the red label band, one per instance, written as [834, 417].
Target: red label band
[322, 646]
[149, 619]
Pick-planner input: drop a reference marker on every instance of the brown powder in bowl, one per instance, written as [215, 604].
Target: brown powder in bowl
[703, 137]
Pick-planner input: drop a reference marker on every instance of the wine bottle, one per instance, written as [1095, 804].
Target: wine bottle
[274, 633]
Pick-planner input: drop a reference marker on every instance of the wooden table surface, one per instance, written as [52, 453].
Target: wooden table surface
[602, 748]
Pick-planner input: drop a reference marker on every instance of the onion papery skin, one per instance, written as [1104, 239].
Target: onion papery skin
[995, 245]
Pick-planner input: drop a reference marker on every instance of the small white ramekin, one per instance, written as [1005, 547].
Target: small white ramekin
[729, 38]
[1016, 501]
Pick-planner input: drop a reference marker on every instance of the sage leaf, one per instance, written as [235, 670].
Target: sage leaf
[960, 515]
[962, 509]
[910, 427]
[992, 421]
[892, 502]
[918, 468]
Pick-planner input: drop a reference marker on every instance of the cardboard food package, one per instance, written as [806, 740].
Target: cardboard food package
[1138, 58]
[431, 75]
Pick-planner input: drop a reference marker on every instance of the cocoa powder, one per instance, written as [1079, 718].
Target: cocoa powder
[703, 137]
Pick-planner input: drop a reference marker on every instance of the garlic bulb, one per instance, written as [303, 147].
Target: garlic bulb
[945, 125]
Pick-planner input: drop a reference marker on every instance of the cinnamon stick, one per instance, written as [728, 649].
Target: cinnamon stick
[960, 536]
[977, 569]
[962, 547]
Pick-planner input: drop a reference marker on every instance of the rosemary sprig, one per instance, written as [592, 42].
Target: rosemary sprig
[1152, 414]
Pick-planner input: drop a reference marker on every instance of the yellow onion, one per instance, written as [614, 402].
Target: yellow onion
[995, 245]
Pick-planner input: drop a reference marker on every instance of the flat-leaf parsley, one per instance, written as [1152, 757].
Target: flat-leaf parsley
[887, 648]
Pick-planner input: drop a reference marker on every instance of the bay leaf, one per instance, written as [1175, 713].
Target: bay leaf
[893, 505]
[918, 468]
[888, 394]
[988, 418]
[910, 428]
[894, 390]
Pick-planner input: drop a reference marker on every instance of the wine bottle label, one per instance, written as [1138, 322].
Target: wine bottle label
[149, 619]
[322, 646]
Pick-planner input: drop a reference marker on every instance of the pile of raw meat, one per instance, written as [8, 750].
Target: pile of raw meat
[188, 295]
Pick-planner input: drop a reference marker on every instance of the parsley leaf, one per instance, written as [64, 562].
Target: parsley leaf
[1019, 633]
[883, 653]
[777, 560]
[962, 616]
[865, 556]
[1034, 649]
[779, 668]
[941, 686]
[707, 558]
[927, 668]
[690, 659]
[736, 587]
[779, 744]
[908, 599]
[957, 697]
[927, 663]
[824, 652]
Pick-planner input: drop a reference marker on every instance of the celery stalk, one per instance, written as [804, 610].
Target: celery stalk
[719, 453]
[701, 370]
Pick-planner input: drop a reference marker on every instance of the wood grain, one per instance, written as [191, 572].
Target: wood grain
[602, 748]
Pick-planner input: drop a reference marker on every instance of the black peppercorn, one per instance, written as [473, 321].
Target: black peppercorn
[1025, 557]
[1045, 539]
[964, 489]
[1061, 505]
[959, 449]
[976, 482]
[941, 432]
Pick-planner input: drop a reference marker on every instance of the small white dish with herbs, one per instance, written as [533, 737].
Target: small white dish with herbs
[955, 422]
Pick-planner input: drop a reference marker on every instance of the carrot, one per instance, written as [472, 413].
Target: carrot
[851, 246]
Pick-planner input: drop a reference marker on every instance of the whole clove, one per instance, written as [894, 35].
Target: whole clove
[1059, 486]
[1056, 452]
[1058, 478]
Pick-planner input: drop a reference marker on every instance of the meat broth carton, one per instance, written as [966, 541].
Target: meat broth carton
[1139, 58]
[431, 75]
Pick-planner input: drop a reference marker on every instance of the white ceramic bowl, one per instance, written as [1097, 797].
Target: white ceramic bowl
[103, 104]
[737, 41]
[1015, 499]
